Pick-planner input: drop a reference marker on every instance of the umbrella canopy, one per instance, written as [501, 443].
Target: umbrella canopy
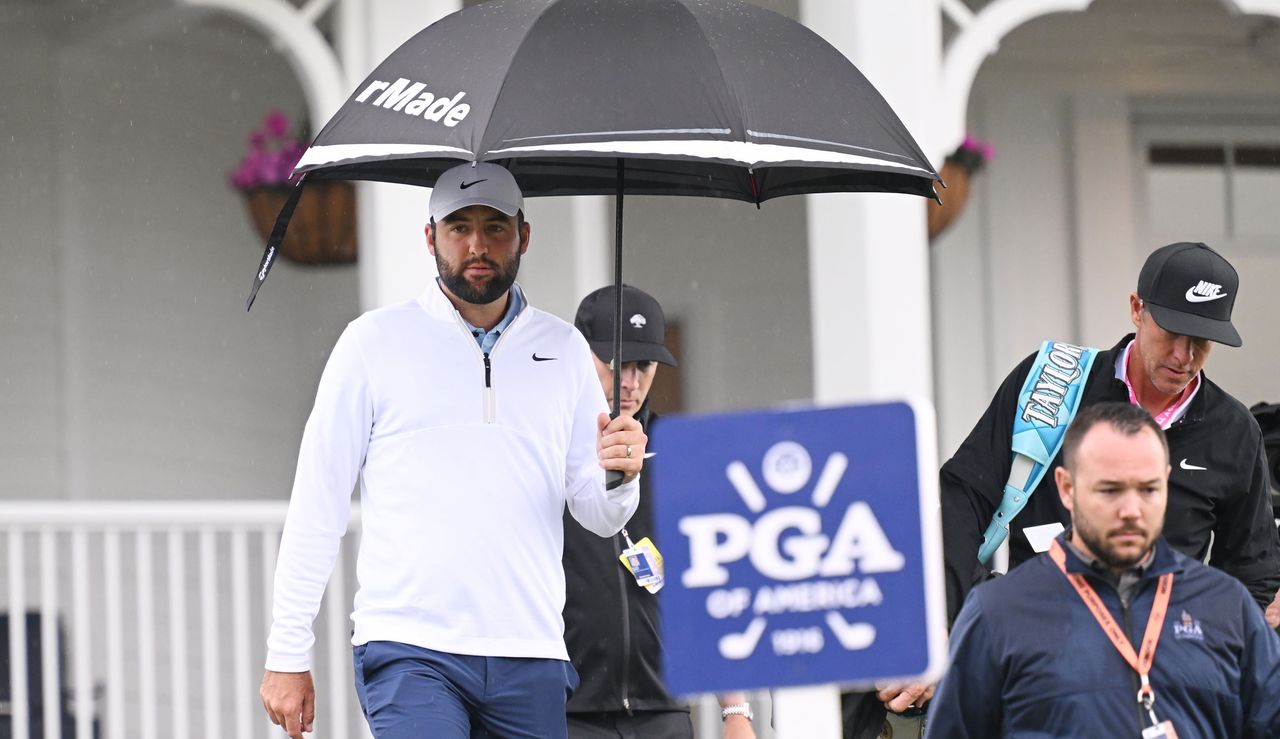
[715, 98]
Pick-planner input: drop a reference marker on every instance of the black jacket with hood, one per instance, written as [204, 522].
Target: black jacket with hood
[611, 624]
[1217, 486]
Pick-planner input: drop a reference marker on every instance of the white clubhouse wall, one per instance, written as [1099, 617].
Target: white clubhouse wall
[130, 369]
[31, 401]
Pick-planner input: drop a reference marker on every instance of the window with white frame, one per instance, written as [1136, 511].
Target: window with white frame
[1222, 190]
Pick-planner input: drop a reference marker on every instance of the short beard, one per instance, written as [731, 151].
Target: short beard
[1098, 545]
[504, 276]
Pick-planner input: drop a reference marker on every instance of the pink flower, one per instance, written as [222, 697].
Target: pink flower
[273, 153]
[983, 149]
[276, 124]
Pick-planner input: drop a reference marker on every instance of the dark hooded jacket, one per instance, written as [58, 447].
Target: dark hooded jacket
[1217, 487]
[1028, 659]
[611, 624]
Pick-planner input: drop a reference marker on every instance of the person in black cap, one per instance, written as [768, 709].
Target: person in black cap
[1218, 494]
[611, 620]
[1218, 503]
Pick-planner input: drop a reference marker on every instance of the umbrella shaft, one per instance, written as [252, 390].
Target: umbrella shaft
[617, 294]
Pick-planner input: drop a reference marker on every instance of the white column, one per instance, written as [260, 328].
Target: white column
[868, 257]
[1107, 255]
[592, 229]
[868, 253]
[570, 250]
[394, 263]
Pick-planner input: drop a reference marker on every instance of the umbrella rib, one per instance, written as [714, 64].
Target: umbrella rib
[737, 107]
[479, 150]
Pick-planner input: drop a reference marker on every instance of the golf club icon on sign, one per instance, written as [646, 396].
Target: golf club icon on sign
[814, 569]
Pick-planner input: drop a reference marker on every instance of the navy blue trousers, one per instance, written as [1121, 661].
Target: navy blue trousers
[410, 692]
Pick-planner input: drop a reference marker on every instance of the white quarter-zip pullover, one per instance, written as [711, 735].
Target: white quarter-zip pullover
[465, 463]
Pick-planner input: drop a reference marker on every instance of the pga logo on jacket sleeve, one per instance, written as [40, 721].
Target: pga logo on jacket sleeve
[802, 547]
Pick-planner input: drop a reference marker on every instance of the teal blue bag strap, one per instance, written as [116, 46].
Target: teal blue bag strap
[1047, 402]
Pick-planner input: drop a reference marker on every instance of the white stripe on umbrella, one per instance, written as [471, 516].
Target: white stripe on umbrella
[745, 153]
[317, 156]
[717, 131]
[742, 153]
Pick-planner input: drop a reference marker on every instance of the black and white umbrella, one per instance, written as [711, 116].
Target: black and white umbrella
[715, 98]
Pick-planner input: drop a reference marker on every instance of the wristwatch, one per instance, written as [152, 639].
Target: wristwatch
[737, 709]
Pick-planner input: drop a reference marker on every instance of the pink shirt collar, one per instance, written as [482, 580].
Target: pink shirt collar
[1176, 410]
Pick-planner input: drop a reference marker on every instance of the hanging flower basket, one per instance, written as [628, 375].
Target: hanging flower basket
[323, 229]
[958, 172]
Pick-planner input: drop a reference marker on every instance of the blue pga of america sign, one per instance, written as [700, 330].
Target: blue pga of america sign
[801, 547]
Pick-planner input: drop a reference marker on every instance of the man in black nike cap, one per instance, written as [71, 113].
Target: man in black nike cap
[1218, 504]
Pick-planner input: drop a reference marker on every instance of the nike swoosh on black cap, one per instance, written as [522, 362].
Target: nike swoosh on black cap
[1190, 290]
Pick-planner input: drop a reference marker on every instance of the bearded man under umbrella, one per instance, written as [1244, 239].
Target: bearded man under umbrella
[470, 419]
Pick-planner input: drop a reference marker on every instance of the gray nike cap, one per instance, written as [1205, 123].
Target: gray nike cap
[1190, 290]
[483, 183]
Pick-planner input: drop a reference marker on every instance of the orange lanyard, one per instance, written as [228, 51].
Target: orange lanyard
[1142, 661]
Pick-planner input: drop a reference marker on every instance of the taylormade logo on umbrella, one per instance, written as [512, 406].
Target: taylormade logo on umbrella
[411, 98]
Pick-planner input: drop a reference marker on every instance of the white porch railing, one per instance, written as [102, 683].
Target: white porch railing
[152, 621]
[148, 619]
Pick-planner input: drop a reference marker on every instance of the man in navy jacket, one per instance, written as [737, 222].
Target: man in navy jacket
[1031, 657]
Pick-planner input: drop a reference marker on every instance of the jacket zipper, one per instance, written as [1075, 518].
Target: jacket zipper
[626, 629]
[488, 389]
[489, 402]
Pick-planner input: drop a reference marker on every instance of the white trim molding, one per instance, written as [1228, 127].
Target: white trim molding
[1253, 7]
[314, 62]
[980, 38]
[959, 13]
[980, 35]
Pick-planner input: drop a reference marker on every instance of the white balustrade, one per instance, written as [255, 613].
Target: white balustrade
[152, 620]
[161, 611]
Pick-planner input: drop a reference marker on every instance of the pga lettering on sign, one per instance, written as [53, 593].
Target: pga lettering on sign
[787, 544]
[801, 548]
